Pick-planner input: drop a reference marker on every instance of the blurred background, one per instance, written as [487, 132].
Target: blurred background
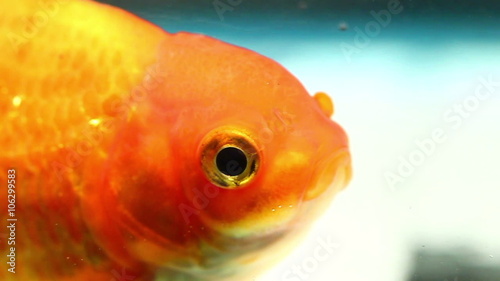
[416, 85]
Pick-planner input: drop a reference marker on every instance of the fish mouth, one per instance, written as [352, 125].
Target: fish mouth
[335, 174]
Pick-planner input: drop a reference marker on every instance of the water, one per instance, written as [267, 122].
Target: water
[422, 117]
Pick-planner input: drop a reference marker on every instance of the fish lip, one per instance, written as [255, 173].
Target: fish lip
[343, 160]
[336, 170]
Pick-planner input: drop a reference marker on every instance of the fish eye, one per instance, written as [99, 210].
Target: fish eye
[231, 161]
[229, 158]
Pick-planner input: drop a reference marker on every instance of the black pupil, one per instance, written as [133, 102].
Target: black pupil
[231, 161]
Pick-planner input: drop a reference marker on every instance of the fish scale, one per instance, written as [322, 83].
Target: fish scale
[87, 77]
[50, 228]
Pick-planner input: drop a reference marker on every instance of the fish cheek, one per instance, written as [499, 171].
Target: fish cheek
[138, 196]
[145, 184]
[147, 204]
[251, 210]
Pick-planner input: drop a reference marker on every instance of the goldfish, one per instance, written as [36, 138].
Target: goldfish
[132, 153]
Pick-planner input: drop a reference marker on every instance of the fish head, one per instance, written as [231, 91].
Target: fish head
[256, 153]
[226, 147]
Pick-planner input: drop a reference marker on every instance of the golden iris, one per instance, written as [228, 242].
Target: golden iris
[229, 157]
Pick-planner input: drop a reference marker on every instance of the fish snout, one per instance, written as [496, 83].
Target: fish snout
[332, 175]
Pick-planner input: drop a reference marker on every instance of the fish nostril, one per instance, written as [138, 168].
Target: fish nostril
[231, 161]
[325, 103]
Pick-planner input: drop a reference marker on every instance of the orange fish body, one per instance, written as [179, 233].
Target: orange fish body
[132, 154]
